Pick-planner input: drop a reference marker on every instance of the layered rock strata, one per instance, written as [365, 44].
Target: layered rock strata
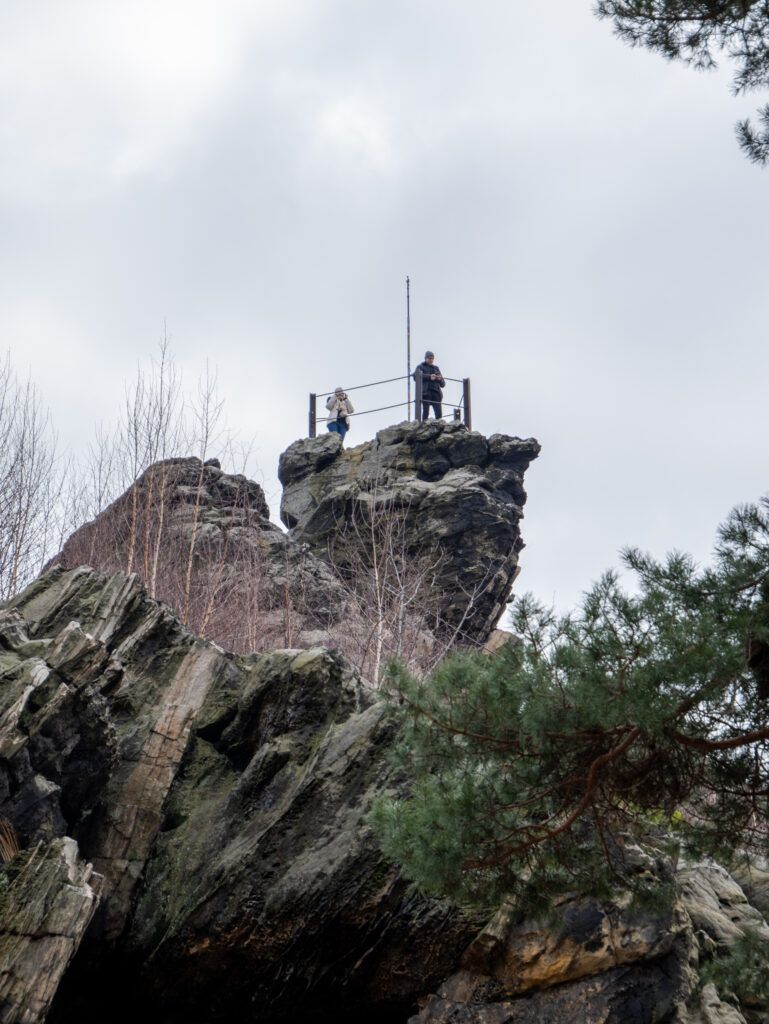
[599, 963]
[221, 799]
[49, 897]
[192, 822]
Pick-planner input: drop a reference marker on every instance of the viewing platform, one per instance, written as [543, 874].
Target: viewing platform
[461, 409]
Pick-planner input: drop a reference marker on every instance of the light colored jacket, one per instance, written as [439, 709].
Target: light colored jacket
[339, 408]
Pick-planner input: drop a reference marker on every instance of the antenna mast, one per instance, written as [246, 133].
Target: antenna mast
[408, 348]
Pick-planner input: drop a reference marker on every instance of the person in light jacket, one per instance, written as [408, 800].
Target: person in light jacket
[339, 408]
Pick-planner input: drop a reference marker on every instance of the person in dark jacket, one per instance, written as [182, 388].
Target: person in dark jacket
[432, 386]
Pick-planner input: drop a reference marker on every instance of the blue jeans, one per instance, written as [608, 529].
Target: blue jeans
[338, 427]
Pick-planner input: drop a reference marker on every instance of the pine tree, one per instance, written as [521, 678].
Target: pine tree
[641, 714]
[696, 31]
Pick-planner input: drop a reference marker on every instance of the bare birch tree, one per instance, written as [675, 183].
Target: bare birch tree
[393, 590]
[30, 481]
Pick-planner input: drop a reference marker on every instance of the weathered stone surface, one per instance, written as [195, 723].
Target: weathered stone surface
[56, 739]
[102, 721]
[718, 906]
[604, 965]
[180, 508]
[499, 640]
[752, 874]
[47, 901]
[222, 799]
[590, 938]
[462, 495]
[186, 488]
[267, 816]
[642, 994]
[713, 1010]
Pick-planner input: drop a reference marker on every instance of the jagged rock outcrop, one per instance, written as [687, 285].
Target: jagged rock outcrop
[193, 821]
[222, 799]
[605, 964]
[291, 899]
[461, 495]
[219, 802]
[47, 901]
[203, 542]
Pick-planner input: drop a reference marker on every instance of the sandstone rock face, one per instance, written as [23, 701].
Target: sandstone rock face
[243, 569]
[193, 822]
[591, 938]
[202, 541]
[752, 874]
[291, 901]
[596, 964]
[221, 799]
[717, 905]
[185, 489]
[49, 898]
[108, 685]
[461, 494]
[604, 964]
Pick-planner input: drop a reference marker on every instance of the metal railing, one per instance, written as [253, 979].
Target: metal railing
[460, 411]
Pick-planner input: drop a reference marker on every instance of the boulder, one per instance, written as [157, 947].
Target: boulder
[587, 938]
[717, 905]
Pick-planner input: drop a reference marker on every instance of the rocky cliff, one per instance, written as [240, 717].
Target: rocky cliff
[595, 963]
[192, 822]
[219, 803]
[202, 541]
[460, 496]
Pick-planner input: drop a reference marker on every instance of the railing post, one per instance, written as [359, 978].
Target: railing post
[312, 416]
[418, 397]
[466, 403]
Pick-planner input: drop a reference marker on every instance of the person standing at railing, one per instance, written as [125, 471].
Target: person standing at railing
[432, 386]
[339, 409]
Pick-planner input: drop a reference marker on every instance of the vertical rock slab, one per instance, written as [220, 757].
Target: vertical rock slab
[49, 899]
[102, 644]
[266, 876]
[133, 817]
[222, 800]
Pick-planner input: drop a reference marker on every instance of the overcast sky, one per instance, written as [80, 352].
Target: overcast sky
[584, 239]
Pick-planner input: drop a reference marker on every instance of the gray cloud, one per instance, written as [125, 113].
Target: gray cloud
[583, 237]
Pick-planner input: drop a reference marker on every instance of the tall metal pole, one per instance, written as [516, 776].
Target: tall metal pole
[408, 347]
